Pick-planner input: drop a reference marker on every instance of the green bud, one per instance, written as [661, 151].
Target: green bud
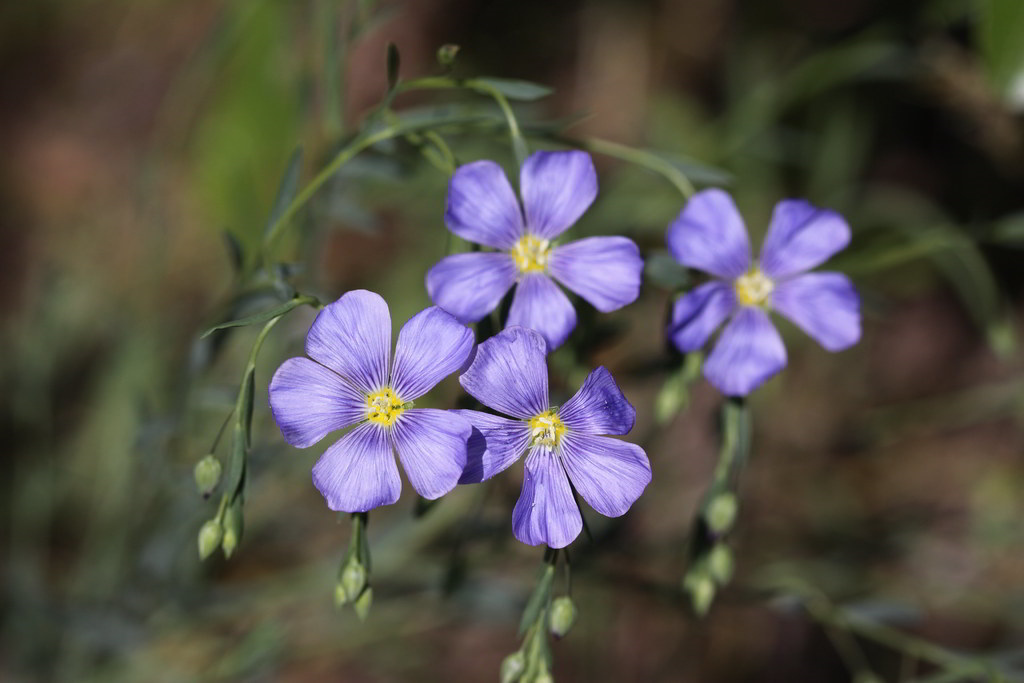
[563, 616]
[721, 512]
[512, 667]
[702, 591]
[446, 54]
[543, 675]
[232, 528]
[339, 595]
[353, 579]
[207, 473]
[362, 604]
[210, 535]
[720, 564]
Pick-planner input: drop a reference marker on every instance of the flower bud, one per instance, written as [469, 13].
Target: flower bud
[232, 528]
[702, 591]
[207, 473]
[339, 595]
[353, 579]
[512, 667]
[446, 54]
[543, 675]
[720, 564]
[563, 616]
[362, 604]
[721, 512]
[210, 535]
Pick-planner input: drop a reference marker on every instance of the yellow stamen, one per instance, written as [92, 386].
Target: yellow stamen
[546, 429]
[753, 287]
[383, 407]
[531, 254]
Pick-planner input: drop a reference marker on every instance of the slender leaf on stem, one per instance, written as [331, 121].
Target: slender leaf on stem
[286, 189]
[513, 89]
[538, 600]
[264, 316]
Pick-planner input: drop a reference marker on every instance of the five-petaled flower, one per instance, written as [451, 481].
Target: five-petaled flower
[348, 382]
[556, 187]
[509, 374]
[709, 235]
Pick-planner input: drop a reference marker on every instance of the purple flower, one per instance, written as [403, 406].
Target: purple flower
[509, 374]
[709, 235]
[557, 187]
[348, 383]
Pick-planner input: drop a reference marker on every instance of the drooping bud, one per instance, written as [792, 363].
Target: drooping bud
[720, 564]
[721, 512]
[563, 616]
[543, 675]
[702, 591]
[512, 667]
[362, 604]
[207, 473]
[353, 579]
[446, 54]
[210, 535]
[233, 524]
[339, 595]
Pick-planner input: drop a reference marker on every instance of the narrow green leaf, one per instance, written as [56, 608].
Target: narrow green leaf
[538, 600]
[286, 190]
[514, 89]
[237, 464]
[265, 315]
[393, 62]
[247, 404]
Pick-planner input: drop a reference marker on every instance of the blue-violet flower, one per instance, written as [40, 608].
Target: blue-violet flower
[346, 381]
[557, 187]
[709, 235]
[509, 374]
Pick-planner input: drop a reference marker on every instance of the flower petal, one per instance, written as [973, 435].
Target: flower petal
[432, 447]
[749, 351]
[709, 235]
[824, 305]
[509, 373]
[606, 271]
[557, 187]
[540, 305]
[352, 336]
[608, 473]
[309, 402]
[482, 207]
[358, 473]
[800, 237]
[598, 407]
[698, 313]
[546, 511]
[471, 285]
[431, 346]
[496, 443]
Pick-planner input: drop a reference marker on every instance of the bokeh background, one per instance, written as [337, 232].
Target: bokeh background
[142, 144]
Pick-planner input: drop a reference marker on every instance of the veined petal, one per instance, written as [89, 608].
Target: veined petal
[698, 313]
[471, 285]
[540, 305]
[800, 237]
[352, 336]
[496, 443]
[824, 305]
[432, 447]
[608, 473]
[431, 346]
[358, 473]
[606, 271]
[510, 374]
[709, 235]
[482, 207]
[309, 402]
[546, 511]
[598, 407]
[749, 351]
[557, 187]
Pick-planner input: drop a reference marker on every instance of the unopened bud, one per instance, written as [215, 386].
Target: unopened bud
[512, 667]
[720, 564]
[232, 528]
[207, 473]
[362, 604]
[446, 54]
[702, 591]
[563, 616]
[353, 579]
[210, 535]
[721, 512]
[543, 676]
[339, 595]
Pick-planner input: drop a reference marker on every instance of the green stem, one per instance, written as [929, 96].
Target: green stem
[641, 158]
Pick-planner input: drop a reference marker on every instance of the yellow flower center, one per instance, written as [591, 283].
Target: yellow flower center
[546, 429]
[384, 407]
[753, 287]
[531, 254]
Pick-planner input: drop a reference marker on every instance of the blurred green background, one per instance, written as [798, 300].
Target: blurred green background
[142, 145]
